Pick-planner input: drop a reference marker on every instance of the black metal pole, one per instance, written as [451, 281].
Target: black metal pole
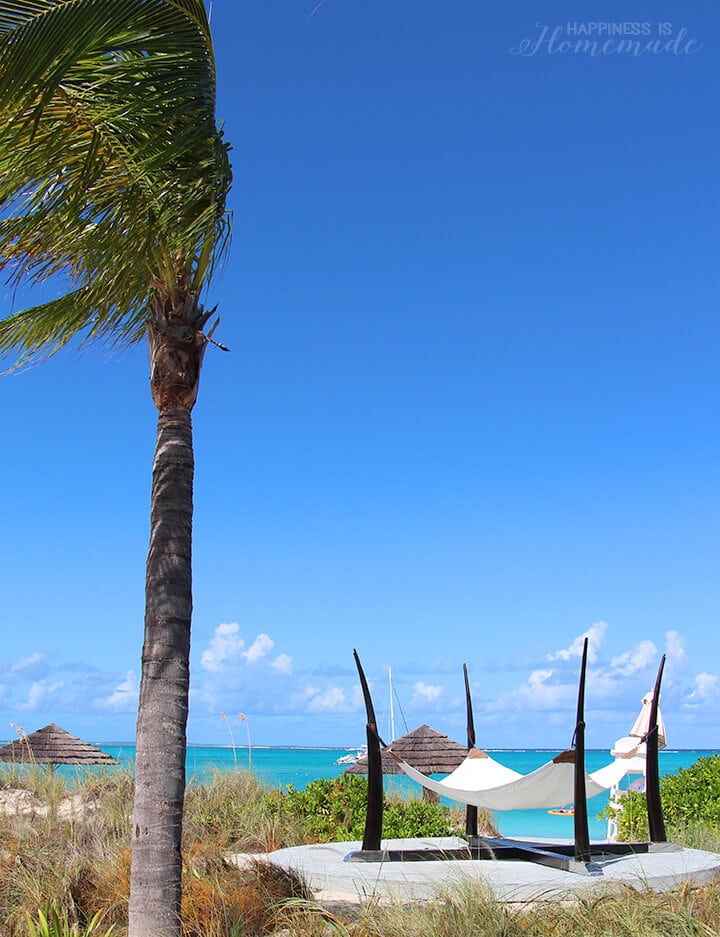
[471, 812]
[580, 819]
[374, 813]
[656, 823]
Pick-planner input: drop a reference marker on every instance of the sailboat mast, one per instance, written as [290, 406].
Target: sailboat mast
[392, 711]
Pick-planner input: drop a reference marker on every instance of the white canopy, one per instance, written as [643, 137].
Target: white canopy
[642, 723]
[480, 772]
[629, 759]
[630, 752]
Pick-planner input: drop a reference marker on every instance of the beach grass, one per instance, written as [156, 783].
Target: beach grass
[469, 910]
[64, 872]
[235, 812]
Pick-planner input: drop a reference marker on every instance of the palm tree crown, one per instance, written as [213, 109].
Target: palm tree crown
[113, 173]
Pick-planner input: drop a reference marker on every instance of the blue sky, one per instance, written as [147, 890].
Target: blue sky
[470, 410]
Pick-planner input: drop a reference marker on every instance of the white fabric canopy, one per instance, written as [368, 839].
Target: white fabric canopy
[612, 774]
[630, 752]
[642, 723]
[480, 772]
[549, 786]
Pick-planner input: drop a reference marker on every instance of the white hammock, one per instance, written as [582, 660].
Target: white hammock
[551, 785]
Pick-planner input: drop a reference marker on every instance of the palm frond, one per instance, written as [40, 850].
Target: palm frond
[113, 171]
[41, 330]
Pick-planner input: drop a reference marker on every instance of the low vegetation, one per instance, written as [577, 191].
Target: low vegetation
[64, 864]
[333, 810]
[691, 807]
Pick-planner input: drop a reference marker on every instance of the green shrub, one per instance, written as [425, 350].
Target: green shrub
[333, 810]
[409, 818]
[631, 817]
[693, 794]
[329, 809]
[690, 801]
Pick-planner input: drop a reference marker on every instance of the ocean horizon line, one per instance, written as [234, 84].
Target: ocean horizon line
[333, 748]
[224, 746]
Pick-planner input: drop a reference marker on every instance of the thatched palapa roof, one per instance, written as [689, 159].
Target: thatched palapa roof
[424, 748]
[54, 746]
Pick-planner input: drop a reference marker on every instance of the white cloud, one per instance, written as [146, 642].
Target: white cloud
[707, 688]
[329, 701]
[425, 693]
[538, 679]
[630, 662]
[538, 692]
[261, 646]
[299, 699]
[124, 698]
[224, 645]
[282, 663]
[32, 665]
[541, 694]
[675, 649]
[40, 693]
[595, 635]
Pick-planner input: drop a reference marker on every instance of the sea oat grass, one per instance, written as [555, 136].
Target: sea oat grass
[626, 912]
[220, 900]
[300, 917]
[470, 910]
[696, 835]
[466, 909]
[236, 813]
[102, 886]
[48, 786]
[54, 853]
[38, 863]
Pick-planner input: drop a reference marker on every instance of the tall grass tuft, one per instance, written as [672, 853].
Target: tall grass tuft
[466, 909]
[219, 899]
[236, 813]
[51, 788]
[469, 910]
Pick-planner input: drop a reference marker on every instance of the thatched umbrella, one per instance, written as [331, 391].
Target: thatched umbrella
[54, 746]
[424, 748]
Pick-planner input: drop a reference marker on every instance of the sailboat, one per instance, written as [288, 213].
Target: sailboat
[352, 756]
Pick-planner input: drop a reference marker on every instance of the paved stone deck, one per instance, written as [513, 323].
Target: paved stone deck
[335, 881]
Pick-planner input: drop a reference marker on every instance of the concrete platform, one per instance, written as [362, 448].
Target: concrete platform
[335, 881]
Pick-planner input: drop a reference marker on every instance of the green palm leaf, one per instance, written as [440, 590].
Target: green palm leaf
[113, 173]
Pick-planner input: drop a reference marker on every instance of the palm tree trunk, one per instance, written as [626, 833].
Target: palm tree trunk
[156, 870]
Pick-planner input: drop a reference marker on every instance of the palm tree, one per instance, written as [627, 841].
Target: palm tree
[113, 181]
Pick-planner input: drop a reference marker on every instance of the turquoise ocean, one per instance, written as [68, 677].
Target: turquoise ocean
[279, 767]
